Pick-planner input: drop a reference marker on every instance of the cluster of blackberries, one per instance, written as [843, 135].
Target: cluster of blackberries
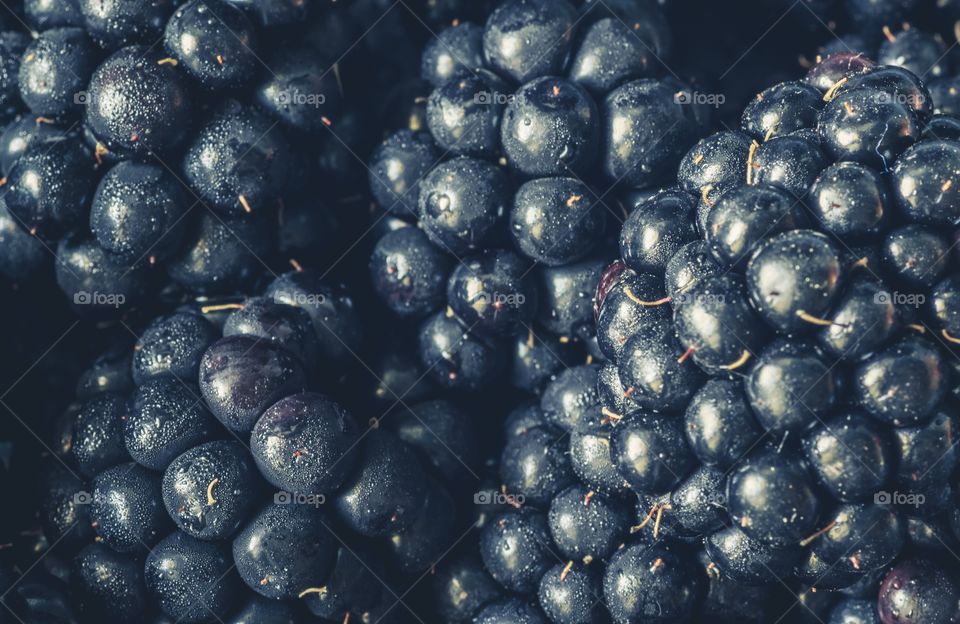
[494, 201]
[200, 476]
[168, 157]
[782, 345]
[621, 369]
[772, 434]
[150, 145]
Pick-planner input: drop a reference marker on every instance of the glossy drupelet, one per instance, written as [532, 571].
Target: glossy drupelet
[112, 583]
[210, 490]
[138, 212]
[49, 186]
[127, 510]
[136, 103]
[304, 444]
[284, 549]
[238, 160]
[214, 42]
[55, 70]
[179, 565]
[166, 418]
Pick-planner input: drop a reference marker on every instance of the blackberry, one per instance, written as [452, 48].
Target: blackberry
[242, 516]
[814, 289]
[124, 124]
[511, 158]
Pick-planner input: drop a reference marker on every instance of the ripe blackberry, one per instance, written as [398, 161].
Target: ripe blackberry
[199, 508]
[814, 291]
[123, 134]
[514, 155]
